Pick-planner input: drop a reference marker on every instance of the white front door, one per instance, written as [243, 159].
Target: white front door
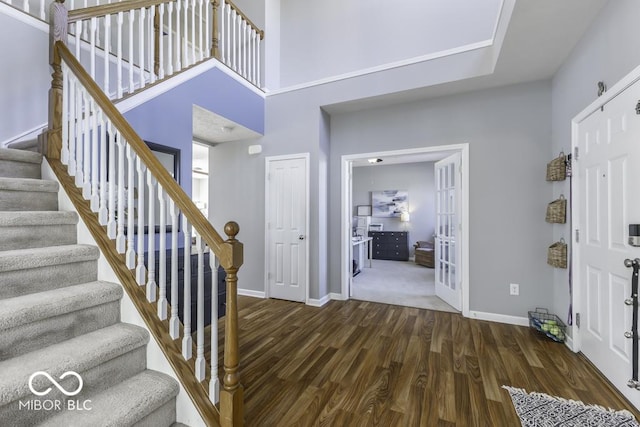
[607, 170]
[287, 228]
[447, 247]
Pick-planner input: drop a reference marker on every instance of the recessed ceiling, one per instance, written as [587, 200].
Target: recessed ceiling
[403, 158]
[212, 128]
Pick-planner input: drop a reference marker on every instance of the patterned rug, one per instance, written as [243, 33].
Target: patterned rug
[542, 410]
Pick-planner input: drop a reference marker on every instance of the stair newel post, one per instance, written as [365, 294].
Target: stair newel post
[215, 51]
[231, 396]
[58, 32]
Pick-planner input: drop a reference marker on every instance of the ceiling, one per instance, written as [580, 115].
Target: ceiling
[541, 34]
[403, 158]
[211, 128]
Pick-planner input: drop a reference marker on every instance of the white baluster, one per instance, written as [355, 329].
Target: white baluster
[111, 224]
[72, 4]
[200, 367]
[130, 256]
[200, 34]
[141, 46]
[103, 212]
[86, 176]
[151, 240]
[161, 43]
[214, 382]
[64, 153]
[174, 322]
[259, 78]
[78, 40]
[187, 341]
[252, 56]
[107, 47]
[185, 35]
[120, 239]
[227, 34]
[162, 256]
[95, 200]
[132, 19]
[223, 37]
[193, 32]
[140, 269]
[234, 42]
[178, 42]
[42, 15]
[119, 88]
[239, 45]
[25, 6]
[73, 94]
[79, 135]
[245, 45]
[152, 43]
[92, 40]
[169, 39]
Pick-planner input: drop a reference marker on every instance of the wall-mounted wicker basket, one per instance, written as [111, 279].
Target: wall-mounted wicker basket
[557, 168]
[557, 254]
[557, 211]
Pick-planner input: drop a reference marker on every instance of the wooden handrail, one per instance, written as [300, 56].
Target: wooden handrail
[246, 18]
[110, 9]
[182, 201]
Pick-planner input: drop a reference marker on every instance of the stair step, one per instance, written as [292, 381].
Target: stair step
[26, 194]
[147, 399]
[26, 145]
[30, 229]
[34, 321]
[20, 164]
[26, 271]
[102, 358]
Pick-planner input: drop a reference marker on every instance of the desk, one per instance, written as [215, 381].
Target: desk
[358, 252]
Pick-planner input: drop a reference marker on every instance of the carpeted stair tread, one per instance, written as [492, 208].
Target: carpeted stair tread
[26, 145]
[77, 354]
[28, 184]
[20, 156]
[21, 259]
[27, 218]
[42, 305]
[123, 404]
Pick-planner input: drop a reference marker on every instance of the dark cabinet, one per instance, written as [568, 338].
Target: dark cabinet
[390, 245]
[193, 262]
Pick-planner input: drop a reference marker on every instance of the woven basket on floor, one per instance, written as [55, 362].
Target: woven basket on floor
[557, 254]
[557, 211]
[557, 168]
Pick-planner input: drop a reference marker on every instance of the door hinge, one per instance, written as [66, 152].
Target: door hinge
[269, 276]
[577, 235]
[576, 151]
[578, 320]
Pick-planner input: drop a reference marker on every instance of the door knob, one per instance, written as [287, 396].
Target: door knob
[301, 237]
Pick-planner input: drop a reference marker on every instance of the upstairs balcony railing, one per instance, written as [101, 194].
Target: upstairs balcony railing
[128, 45]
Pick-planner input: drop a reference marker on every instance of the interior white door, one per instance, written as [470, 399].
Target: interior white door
[286, 229]
[447, 245]
[608, 169]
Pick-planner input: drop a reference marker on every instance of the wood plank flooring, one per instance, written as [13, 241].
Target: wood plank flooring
[358, 363]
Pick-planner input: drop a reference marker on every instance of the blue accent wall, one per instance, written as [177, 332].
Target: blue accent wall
[167, 118]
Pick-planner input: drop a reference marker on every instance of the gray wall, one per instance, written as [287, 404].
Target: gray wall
[508, 130]
[417, 179]
[608, 51]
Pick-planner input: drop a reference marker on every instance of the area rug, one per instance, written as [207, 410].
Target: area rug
[542, 410]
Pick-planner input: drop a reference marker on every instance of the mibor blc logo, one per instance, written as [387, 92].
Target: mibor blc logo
[55, 404]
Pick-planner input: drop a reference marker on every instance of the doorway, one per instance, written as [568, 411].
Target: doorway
[349, 245]
[605, 204]
[287, 225]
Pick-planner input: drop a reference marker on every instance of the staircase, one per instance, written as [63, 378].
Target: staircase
[55, 317]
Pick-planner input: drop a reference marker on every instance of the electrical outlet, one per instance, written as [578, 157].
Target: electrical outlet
[514, 289]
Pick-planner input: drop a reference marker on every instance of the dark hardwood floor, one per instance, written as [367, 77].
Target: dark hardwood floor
[356, 363]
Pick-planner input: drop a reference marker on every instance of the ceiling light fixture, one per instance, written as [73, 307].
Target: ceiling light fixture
[227, 129]
[373, 161]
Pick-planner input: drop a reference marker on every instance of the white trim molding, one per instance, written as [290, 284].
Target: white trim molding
[251, 293]
[500, 318]
[319, 302]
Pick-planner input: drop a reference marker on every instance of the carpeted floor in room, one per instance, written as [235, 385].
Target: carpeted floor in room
[400, 283]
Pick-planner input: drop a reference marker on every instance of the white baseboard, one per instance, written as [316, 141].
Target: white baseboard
[337, 296]
[500, 318]
[251, 293]
[319, 302]
[569, 343]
